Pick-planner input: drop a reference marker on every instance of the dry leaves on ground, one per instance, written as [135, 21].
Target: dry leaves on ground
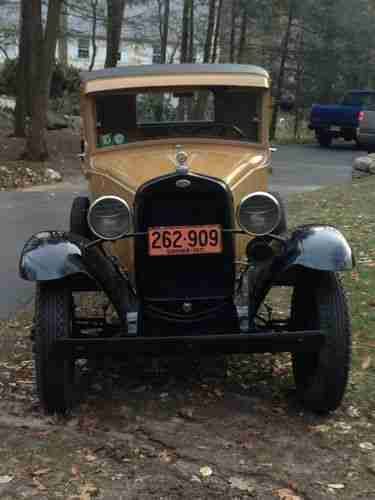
[287, 494]
[241, 484]
[205, 471]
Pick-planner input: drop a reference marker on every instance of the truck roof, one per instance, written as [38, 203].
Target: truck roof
[164, 75]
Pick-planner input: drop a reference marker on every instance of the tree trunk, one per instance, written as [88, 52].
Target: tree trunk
[63, 37]
[164, 28]
[232, 43]
[280, 79]
[43, 48]
[187, 52]
[217, 31]
[94, 11]
[24, 75]
[210, 32]
[185, 32]
[114, 29]
[201, 103]
[191, 33]
[299, 81]
[243, 35]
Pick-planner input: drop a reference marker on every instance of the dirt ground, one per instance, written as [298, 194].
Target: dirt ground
[63, 146]
[177, 429]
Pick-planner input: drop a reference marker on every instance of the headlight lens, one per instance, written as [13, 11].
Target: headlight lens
[259, 214]
[109, 218]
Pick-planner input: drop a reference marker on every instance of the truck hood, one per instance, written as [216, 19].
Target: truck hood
[138, 163]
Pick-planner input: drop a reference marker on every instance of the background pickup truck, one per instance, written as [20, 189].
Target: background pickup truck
[341, 120]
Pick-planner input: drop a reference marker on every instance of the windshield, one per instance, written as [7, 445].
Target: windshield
[231, 113]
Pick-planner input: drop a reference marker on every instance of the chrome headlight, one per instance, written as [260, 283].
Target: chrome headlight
[259, 213]
[109, 218]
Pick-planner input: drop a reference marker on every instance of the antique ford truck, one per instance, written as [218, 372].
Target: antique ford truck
[179, 216]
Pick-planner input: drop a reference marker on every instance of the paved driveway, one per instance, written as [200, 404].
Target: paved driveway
[295, 169]
[308, 167]
[22, 214]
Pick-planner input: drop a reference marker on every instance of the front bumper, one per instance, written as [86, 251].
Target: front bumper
[301, 341]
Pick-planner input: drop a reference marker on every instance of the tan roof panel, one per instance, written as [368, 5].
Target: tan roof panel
[160, 75]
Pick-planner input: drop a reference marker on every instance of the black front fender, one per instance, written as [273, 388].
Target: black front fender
[57, 255]
[323, 248]
[50, 256]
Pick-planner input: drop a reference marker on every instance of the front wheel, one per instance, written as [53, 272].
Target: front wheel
[321, 377]
[53, 320]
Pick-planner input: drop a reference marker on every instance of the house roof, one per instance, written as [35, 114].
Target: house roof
[161, 75]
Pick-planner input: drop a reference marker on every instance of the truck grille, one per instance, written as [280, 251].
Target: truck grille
[161, 203]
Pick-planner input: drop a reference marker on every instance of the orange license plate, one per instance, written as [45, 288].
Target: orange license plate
[185, 240]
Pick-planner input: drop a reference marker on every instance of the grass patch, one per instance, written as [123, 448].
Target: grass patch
[351, 209]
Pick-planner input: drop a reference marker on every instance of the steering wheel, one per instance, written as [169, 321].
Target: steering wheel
[224, 128]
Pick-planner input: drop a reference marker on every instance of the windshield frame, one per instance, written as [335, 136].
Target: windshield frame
[90, 135]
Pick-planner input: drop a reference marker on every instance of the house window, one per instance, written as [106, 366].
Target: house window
[83, 48]
[156, 54]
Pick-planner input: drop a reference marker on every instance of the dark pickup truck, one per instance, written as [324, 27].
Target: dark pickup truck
[340, 120]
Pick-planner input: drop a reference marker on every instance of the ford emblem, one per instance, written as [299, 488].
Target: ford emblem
[183, 183]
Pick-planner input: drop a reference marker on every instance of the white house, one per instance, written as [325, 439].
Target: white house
[140, 38]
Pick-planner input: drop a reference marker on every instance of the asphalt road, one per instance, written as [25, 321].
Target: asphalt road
[295, 169]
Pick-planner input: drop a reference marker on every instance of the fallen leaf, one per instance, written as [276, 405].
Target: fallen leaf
[286, 494]
[6, 479]
[186, 413]
[165, 456]
[366, 446]
[41, 472]
[205, 471]
[293, 485]
[75, 471]
[219, 393]
[90, 457]
[353, 412]
[366, 363]
[87, 423]
[88, 491]
[241, 484]
[39, 485]
[320, 428]
[343, 427]
[336, 486]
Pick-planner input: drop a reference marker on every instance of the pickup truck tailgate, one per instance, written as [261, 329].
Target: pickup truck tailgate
[339, 115]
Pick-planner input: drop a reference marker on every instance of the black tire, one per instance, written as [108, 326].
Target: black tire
[321, 377]
[325, 140]
[53, 320]
[78, 217]
[282, 228]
